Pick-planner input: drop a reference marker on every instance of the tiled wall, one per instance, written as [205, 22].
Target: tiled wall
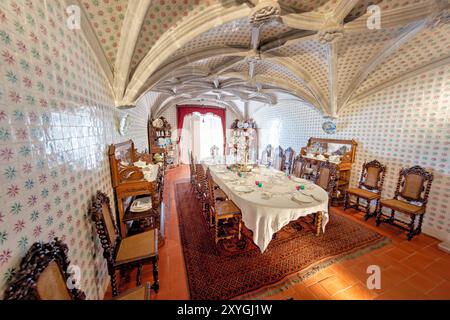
[56, 121]
[404, 125]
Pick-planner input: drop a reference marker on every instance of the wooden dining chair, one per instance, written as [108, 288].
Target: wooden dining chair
[289, 155]
[44, 274]
[218, 194]
[192, 169]
[222, 210]
[278, 161]
[201, 187]
[326, 177]
[369, 188]
[298, 167]
[410, 198]
[127, 253]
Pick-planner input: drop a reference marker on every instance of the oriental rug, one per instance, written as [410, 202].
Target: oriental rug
[233, 269]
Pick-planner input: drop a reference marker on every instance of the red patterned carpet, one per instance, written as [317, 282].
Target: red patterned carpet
[295, 254]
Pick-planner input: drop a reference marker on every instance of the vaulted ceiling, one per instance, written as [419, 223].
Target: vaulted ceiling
[232, 51]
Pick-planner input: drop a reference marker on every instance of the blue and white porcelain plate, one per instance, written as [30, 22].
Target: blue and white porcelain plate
[329, 127]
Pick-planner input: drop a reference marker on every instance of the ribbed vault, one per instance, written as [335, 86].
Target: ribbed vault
[229, 51]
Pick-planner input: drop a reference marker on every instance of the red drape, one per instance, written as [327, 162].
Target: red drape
[183, 111]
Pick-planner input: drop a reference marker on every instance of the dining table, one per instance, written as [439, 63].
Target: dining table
[269, 199]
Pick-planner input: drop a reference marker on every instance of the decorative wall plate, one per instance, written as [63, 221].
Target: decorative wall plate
[329, 127]
[124, 124]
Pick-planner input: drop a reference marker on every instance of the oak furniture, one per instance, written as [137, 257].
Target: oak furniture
[369, 188]
[410, 198]
[265, 214]
[129, 182]
[123, 254]
[43, 275]
[345, 150]
[222, 210]
[299, 167]
[160, 143]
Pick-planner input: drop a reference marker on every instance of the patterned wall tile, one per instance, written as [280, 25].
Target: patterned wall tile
[404, 125]
[56, 122]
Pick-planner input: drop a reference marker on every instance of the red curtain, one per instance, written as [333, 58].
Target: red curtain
[183, 111]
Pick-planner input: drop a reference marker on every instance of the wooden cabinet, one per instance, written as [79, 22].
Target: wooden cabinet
[160, 142]
[331, 149]
[130, 181]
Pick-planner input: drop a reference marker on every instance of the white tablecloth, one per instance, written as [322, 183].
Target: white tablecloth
[265, 217]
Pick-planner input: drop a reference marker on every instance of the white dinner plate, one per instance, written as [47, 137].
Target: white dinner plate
[302, 198]
[245, 189]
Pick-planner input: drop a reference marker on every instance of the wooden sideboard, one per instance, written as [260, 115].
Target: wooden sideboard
[129, 183]
[346, 149]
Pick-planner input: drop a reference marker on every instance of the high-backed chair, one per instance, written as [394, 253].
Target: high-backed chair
[369, 188]
[43, 275]
[201, 186]
[222, 210]
[266, 155]
[289, 155]
[278, 161]
[298, 167]
[192, 169]
[326, 177]
[124, 254]
[410, 198]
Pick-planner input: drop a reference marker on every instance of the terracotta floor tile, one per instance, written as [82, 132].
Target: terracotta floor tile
[423, 282]
[418, 261]
[334, 284]
[397, 253]
[441, 292]
[319, 292]
[356, 292]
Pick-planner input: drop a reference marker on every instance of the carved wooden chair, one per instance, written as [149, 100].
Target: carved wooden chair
[124, 254]
[192, 169]
[298, 167]
[326, 177]
[410, 198]
[369, 188]
[289, 155]
[266, 155]
[222, 210]
[43, 275]
[201, 186]
[278, 159]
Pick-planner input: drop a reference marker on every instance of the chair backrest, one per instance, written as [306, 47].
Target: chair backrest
[289, 155]
[326, 176]
[298, 167]
[201, 179]
[210, 185]
[372, 176]
[266, 156]
[43, 275]
[278, 159]
[414, 184]
[106, 226]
